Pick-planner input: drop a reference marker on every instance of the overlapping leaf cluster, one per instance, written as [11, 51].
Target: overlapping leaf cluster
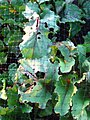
[53, 76]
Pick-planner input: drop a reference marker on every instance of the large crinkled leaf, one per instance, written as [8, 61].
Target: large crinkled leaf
[66, 65]
[65, 93]
[35, 45]
[72, 13]
[80, 102]
[39, 94]
[41, 65]
[48, 17]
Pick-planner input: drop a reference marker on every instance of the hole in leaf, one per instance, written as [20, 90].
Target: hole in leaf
[50, 35]
[51, 29]
[38, 33]
[34, 83]
[39, 38]
[40, 75]
[46, 25]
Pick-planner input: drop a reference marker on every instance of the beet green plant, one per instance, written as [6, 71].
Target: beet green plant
[52, 78]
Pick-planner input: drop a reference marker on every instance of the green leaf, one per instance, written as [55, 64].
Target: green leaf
[49, 18]
[13, 97]
[1, 45]
[41, 65]
[64, 51]
[79, 105]
[81, 53]
[65, 93]
[81, 2]
[31, 10]
[12, 70]
[3, 111]
[86, 65]
[35, 46]
[39, 94]
[72, 13]
[3, 57]
[66, 65]
[47, 111]
[86, 8]
[87, 42]
[13, 41]
[74, 29]
[87, 38]
[26, 108]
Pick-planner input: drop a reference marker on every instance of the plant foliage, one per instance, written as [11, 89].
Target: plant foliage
[51, 74]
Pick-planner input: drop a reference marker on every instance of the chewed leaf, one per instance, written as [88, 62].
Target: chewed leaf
[42, 65]
[35, 46]
[50, 19]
